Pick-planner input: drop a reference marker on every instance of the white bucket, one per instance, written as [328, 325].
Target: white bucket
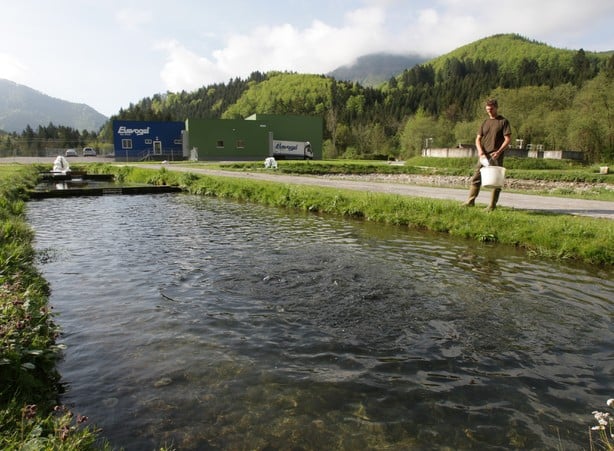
[492, 176]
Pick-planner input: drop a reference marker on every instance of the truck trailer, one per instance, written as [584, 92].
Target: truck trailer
[291, 150]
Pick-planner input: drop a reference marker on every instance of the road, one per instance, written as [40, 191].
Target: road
[581, 207]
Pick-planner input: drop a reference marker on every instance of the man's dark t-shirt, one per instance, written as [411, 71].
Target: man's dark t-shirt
[493, 131]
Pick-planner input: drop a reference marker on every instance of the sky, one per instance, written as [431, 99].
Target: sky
[110, 53]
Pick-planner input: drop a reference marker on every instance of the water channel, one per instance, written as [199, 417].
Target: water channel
[210, 324]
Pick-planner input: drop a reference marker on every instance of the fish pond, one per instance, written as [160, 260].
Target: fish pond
[208, 324]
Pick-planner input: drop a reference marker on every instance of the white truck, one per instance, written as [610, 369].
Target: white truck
[291, 150]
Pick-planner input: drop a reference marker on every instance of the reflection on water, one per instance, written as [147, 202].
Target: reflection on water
[209, 324]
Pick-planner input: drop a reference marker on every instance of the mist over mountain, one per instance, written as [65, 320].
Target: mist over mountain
[374, 69]
[21, 106]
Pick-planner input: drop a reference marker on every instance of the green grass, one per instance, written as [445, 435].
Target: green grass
[29, 415]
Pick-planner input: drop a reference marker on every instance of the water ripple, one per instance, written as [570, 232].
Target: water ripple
[215, 325]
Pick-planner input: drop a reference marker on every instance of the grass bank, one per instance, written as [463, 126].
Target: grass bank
[30, 417]
[558, 237]
[589, 182]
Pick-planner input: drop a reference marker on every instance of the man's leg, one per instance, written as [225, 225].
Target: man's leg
[474, 187]
[474, 190]
[494, 198]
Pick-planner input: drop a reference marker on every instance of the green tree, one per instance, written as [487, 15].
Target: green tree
[580, 67]
[417, 130]
[465, 132]
[556, 124]
[371, 140]
[592, 124]
[584, 134]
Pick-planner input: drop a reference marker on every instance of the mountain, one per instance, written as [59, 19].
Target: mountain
[511, 51]
[21, 106]
[374, 69]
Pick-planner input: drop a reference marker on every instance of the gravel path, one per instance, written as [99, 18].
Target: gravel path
[435, 187]
[449, 188]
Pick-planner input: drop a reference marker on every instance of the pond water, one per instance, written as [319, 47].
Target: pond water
[209, 324]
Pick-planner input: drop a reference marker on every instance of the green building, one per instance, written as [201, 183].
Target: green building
[251, 138]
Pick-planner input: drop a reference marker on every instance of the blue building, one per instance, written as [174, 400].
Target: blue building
[148, 140]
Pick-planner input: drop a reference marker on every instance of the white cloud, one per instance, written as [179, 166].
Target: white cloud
[554, 21]
[318, 48]
[11, 68]
[428, 17]
[184, 70]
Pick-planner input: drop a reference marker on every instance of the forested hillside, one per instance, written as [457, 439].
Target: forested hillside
[561, 99]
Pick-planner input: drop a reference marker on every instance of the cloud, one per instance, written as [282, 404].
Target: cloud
[428, 17]
[378, 26]
[317, 48]
[184, 70]
[11, 68]
[554, 21]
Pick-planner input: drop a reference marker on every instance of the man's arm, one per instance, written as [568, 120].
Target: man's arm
[506, 142]
[478, 145]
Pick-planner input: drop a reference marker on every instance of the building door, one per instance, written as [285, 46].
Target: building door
[157, 147]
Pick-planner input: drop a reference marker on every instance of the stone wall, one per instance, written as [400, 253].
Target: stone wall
[470, 151]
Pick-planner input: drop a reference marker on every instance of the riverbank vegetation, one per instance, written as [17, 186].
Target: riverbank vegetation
[30, 417]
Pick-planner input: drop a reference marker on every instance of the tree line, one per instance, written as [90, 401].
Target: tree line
[45, 139]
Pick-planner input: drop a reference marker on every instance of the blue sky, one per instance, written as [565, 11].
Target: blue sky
[111, 53]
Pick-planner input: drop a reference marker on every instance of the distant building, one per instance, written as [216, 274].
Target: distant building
[251, 138]
[214, 139]
[227, 139]
[148, 140]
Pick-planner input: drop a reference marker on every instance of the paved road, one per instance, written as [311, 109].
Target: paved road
[594, 208]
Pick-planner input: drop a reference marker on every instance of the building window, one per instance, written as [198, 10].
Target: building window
[220, 144]
[240, 144]
[126, 144]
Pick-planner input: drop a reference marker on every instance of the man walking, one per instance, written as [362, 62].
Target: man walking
[493, 137]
